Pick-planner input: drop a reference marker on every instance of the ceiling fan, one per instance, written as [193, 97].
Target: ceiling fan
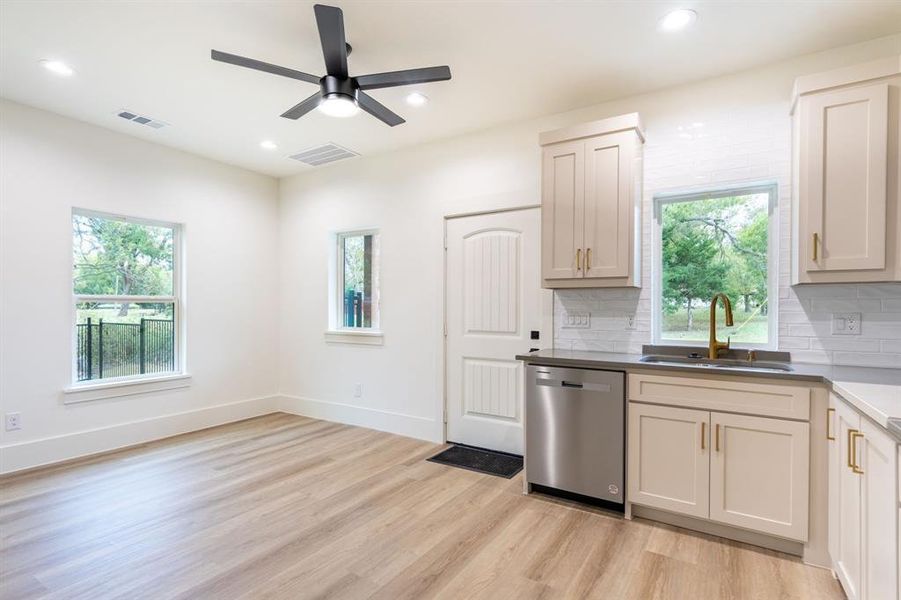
[340, 95]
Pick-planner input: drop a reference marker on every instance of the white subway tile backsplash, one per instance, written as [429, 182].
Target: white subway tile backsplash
[891, 346]
[891, 304]
[828, 305]
[750, 145]
[880, 290]
[845, 344]
[865, 359]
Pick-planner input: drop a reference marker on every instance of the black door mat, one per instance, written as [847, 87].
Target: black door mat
[480, 460]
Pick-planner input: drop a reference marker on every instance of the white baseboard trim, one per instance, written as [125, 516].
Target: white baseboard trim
[46, 451]
[372, 418]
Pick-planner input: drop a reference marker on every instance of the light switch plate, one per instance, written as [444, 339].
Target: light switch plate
[845, 323]
[577, 320]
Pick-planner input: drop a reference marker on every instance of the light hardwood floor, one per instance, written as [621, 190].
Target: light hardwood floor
[289, 507]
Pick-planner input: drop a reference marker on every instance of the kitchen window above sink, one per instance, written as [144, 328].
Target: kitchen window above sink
[719, 241]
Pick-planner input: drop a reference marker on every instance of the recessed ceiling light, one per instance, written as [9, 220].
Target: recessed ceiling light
[58, 67]
[268, 145]
[417, 99]
[678, 19]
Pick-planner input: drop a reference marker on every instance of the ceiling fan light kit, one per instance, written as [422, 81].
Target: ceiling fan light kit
[340, 95]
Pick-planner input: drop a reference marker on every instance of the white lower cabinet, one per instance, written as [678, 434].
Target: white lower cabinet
[749, 472]
[669, 458]
[863, 504]
[759, 474]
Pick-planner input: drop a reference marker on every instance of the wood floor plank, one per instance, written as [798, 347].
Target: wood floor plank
[283, 506]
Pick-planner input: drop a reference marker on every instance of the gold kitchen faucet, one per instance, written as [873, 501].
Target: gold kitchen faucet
[715, 346]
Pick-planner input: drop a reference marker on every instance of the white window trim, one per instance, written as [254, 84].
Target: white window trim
[768, 187]
[370, 336]
[116, 387]
[97, 389]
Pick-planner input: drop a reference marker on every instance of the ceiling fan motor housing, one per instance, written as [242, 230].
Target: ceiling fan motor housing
[331, 85]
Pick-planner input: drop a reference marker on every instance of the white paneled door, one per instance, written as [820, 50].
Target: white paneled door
[493, 304]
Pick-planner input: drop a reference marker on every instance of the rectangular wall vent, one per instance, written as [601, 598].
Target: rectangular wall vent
[324, 154]
[141, 119]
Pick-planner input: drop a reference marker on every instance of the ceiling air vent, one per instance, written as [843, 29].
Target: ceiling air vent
[141, 119]
[324, 154]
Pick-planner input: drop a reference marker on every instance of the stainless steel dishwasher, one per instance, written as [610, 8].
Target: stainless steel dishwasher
[575, 430]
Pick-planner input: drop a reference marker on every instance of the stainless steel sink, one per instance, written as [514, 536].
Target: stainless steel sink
[725, 363]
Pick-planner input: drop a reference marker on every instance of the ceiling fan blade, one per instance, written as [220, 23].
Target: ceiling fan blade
[330, 20]
[408, 77]
[250, 63]
[378, 110]
[299, 110]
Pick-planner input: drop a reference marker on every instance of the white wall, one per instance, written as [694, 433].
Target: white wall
[50, 164]
[407, 193]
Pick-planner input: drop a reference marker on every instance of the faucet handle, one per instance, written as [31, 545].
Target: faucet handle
[728, 341]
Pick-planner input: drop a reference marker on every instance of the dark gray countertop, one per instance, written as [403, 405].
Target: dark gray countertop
[801, 371]
[877, 398]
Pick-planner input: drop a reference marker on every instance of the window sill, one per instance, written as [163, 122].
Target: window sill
[369, 337]
[87, 392]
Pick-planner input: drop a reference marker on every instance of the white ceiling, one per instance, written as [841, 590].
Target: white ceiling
[510, 61]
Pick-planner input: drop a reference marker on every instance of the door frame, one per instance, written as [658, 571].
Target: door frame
[546, 300]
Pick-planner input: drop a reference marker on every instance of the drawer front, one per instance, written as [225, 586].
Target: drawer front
[722, 395]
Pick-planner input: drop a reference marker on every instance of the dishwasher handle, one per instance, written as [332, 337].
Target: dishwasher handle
[574, 385]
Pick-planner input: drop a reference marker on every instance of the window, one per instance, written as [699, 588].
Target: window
[358, 281]
[126, 297]
[718, 241]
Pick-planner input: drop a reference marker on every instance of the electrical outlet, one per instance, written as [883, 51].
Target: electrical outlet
[845, 323]
[630, 322]
[577, 321]
[13, 421]
[358, 390]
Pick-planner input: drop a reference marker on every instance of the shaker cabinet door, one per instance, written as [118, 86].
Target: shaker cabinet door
[669, 452]
[876, 456]
[562, 210]
[609, 204]
[759, 470]
[843, 178]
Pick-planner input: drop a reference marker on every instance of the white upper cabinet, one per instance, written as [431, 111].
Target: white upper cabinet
[846, 166]
[562, 209]
[590, 203]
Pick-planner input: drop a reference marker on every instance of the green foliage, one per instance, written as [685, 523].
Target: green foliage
[715, 245]
[693, 268]
[354, 263]
[118, 258]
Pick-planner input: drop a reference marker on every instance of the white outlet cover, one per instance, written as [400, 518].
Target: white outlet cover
[13, 421]
[846, 324]
[577, 321]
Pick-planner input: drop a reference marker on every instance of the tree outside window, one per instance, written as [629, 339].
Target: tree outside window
[709, 244]
[126, 294]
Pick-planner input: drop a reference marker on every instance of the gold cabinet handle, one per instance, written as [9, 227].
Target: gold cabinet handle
[579, 259]
[816, 242]
[588, 259]
[851, 433]
[855, 467]
[717, 437]
[829, 435]
[703, 435]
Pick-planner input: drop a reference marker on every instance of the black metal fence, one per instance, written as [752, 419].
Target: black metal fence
[353, 309]
[122, 349]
